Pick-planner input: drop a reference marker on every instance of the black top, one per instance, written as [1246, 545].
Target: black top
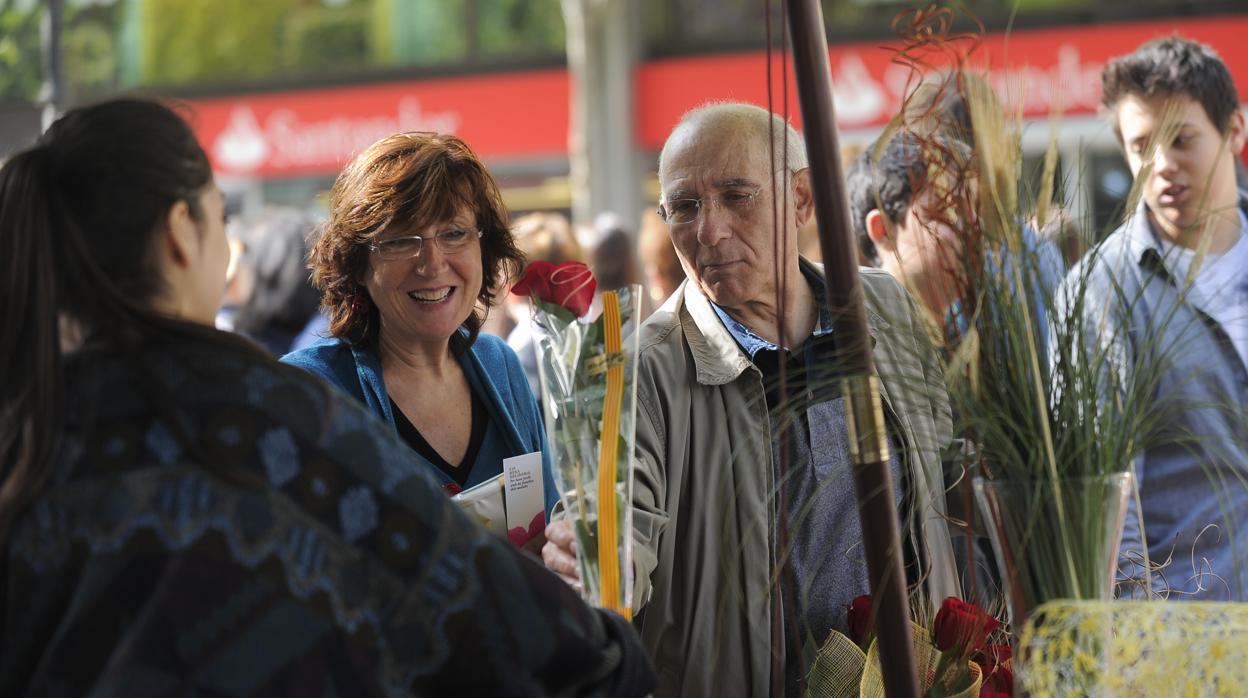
[410, 434]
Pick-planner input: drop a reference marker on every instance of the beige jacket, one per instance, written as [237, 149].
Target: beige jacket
[703, 511]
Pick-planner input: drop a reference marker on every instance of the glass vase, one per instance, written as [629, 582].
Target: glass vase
[1054, 539]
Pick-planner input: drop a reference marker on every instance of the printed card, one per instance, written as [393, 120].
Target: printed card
[525, 496]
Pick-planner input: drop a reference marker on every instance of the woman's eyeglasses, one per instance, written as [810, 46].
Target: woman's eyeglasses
[448, 242]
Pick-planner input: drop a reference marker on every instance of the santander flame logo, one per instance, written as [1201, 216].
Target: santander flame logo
[241, 146]
[858, 98]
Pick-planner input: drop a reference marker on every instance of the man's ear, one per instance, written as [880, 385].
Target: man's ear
[880, 230]
[803, 197]
[179, 240]
[1237, 132]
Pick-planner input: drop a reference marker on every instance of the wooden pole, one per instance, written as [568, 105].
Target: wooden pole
[864, 414]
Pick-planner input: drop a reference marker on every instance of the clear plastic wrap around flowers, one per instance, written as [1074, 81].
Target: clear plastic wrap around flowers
[588, 370]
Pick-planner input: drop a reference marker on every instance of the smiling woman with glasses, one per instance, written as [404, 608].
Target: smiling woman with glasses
[416, 248]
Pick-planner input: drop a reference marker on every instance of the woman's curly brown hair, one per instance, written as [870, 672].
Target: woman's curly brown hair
[419, 179]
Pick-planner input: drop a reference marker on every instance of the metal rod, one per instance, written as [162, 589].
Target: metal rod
[52, 92]
[877, 512]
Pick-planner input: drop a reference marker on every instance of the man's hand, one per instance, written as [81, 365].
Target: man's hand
[559, 553]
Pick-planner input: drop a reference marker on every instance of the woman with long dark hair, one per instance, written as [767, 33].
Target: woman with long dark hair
[181, 514]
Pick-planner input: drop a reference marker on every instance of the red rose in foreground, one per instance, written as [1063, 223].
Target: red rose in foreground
[859, 618]
[998, 678]
[998, 683]
[962, 627]
[993, 655]
[570, 285]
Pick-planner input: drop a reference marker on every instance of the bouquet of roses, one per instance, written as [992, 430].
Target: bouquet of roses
[587, 356]
[954, 656]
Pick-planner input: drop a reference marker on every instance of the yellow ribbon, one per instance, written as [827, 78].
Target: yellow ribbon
[612, 402]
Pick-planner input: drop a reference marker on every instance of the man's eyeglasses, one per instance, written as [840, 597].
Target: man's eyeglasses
[448, 242]
[685, 211]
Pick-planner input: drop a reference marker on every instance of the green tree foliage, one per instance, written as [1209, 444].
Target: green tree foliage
[212, 41]
[332, 39]
[520, 27]
[245, 40]
[19, 53]
[91, 44]
[427, 32]
[88, 45]
[117, 44]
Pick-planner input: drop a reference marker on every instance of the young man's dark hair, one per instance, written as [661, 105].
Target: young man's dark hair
[1171, 66]
[883, 184]
[886, 181]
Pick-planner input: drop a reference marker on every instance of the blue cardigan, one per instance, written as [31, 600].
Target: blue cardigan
[492, 368]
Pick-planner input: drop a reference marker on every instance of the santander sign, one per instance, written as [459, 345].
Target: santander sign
[287, 141]
[1035, 72]
[318, 131]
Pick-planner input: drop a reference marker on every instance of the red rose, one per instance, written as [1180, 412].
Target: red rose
[998, 683]
[859, 615]
[570, 285]
[993, 655]
[998, 679]
[962, 627]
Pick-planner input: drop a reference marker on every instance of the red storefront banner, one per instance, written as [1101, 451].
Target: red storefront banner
[502, 116]
[1038, 70]
[524, 115]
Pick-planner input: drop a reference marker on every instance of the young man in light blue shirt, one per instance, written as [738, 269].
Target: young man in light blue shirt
[1168, 291]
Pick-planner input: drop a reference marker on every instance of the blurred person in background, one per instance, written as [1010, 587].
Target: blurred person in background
[808, 244]
[415, 250]
[658, 259]
[614, 260]
[547, 237]
[280, 307]
[901, 220]
[946, 108]
[940, 114]
[159, 475]
[1063, 230]
[544, 237]
[238, 282]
